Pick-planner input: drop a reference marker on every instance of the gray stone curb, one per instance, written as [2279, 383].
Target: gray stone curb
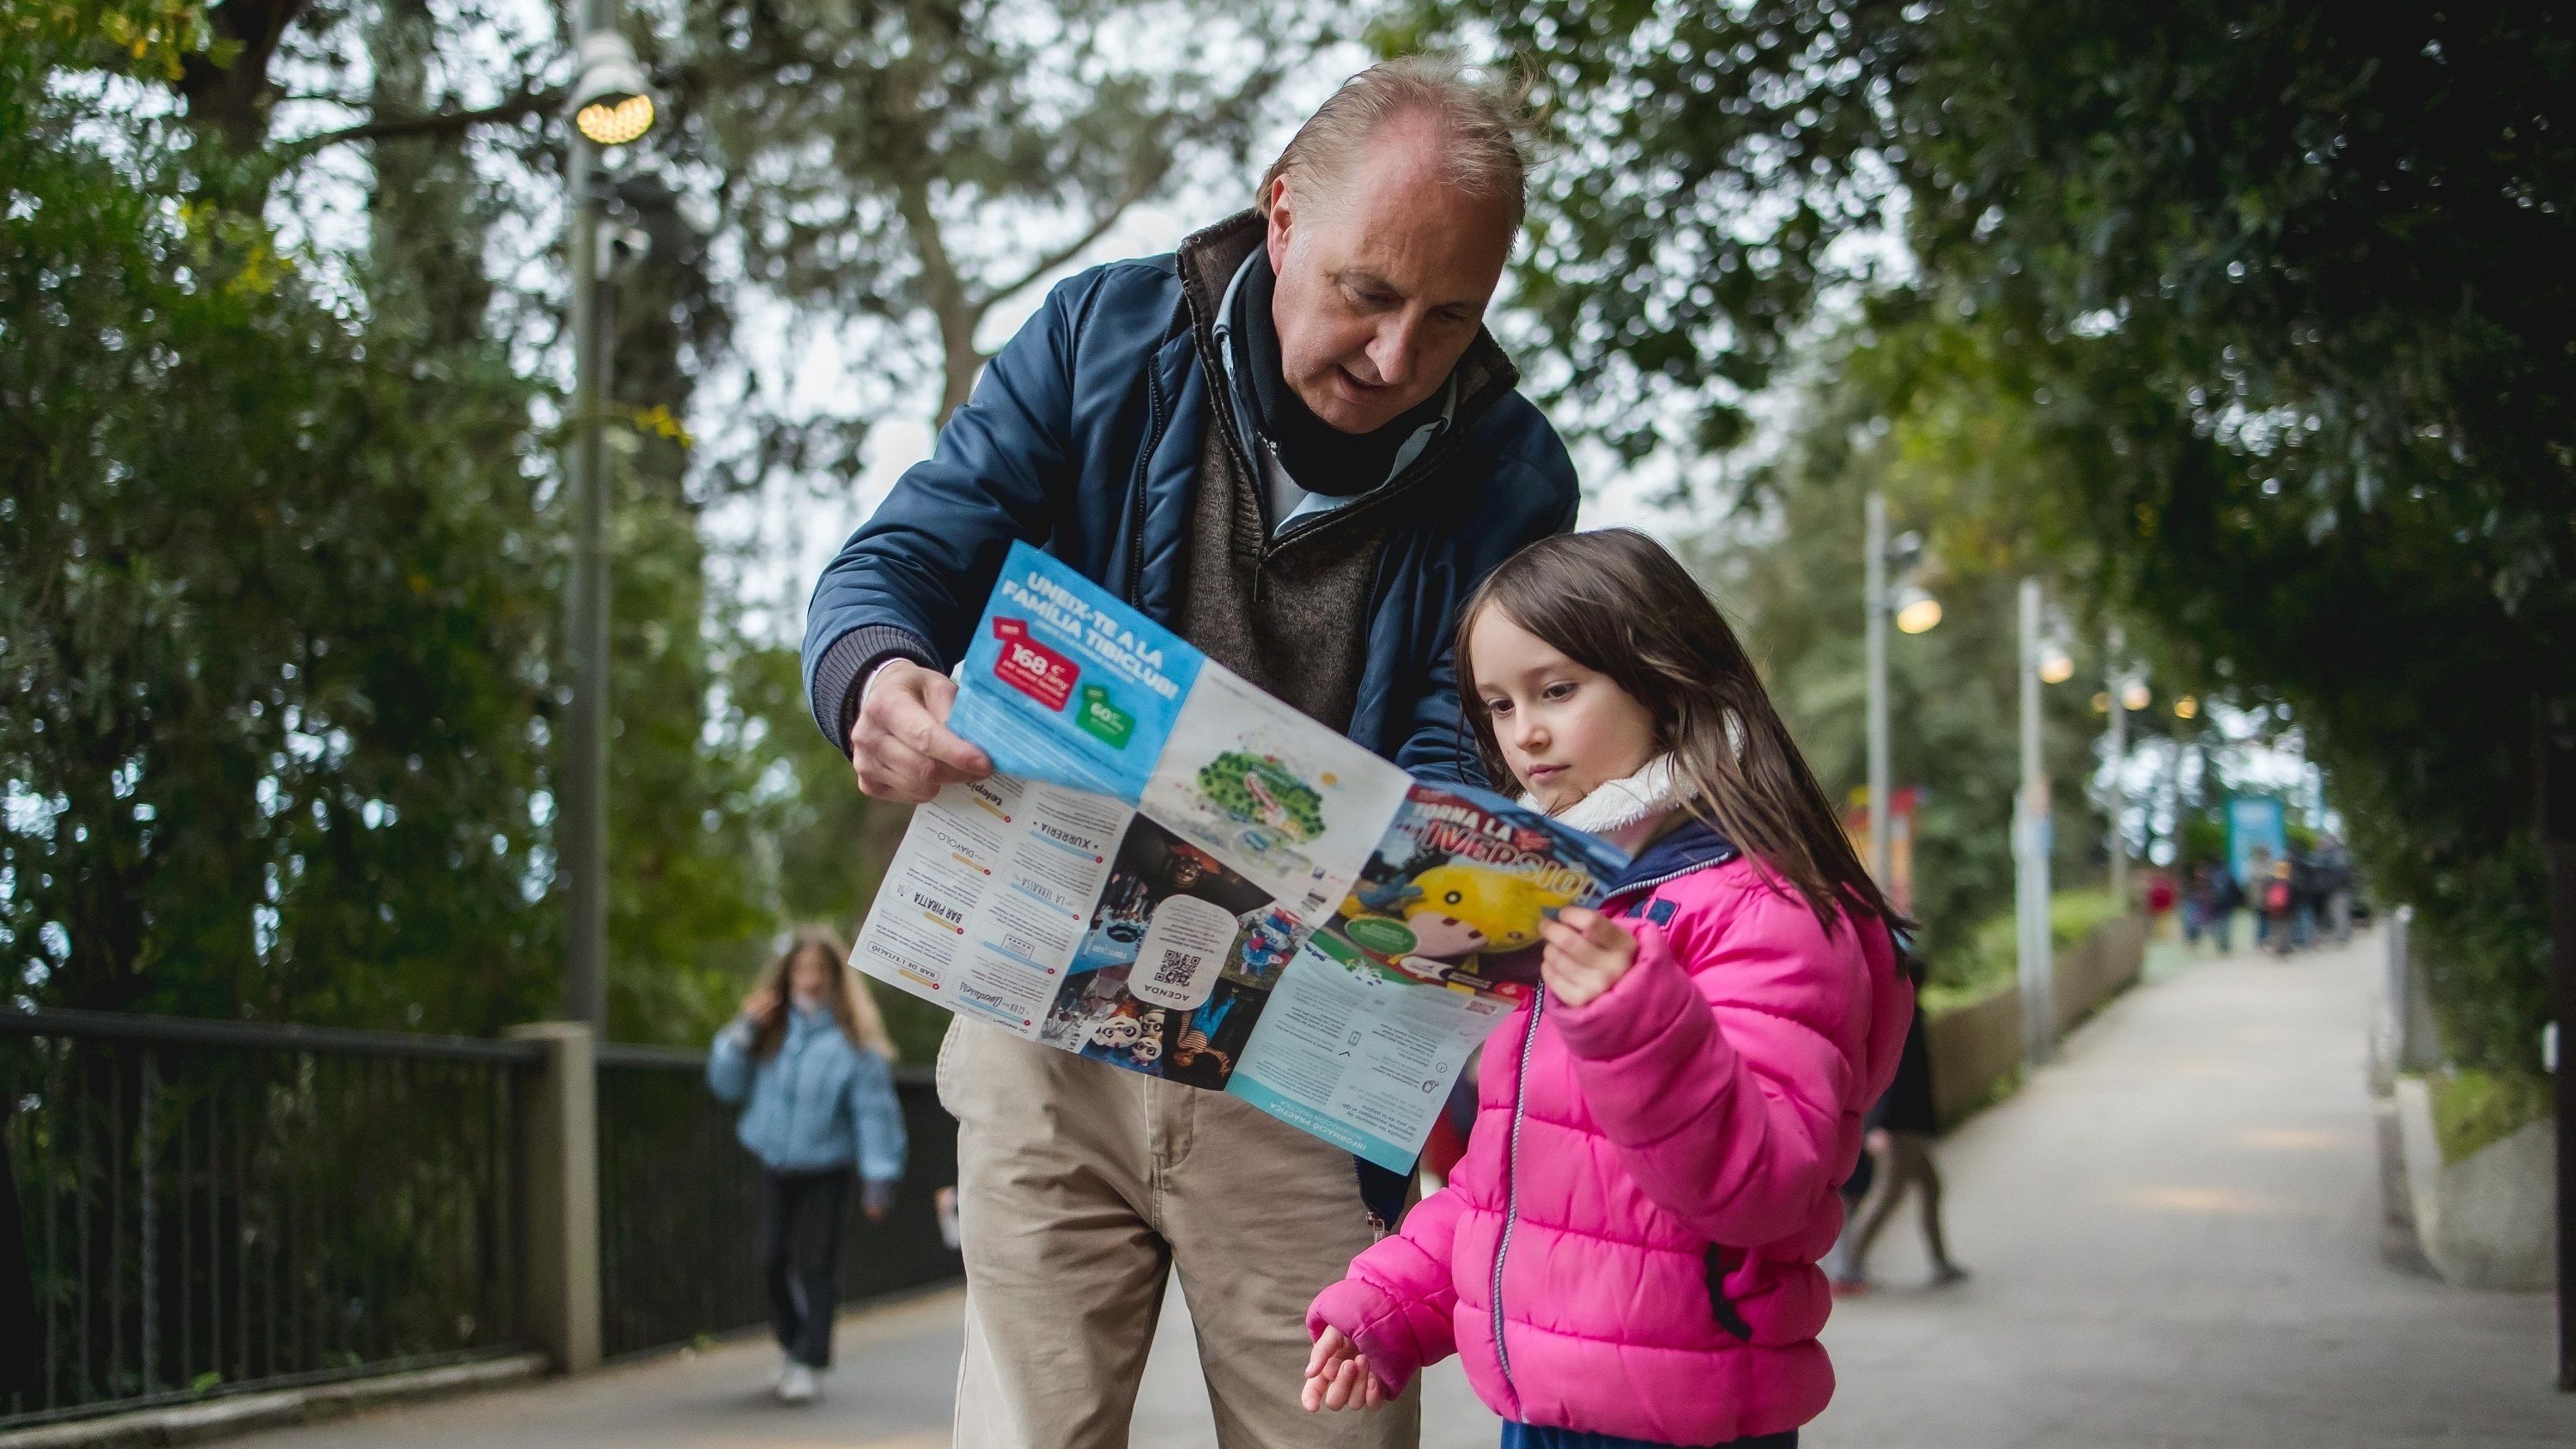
[276, 1408]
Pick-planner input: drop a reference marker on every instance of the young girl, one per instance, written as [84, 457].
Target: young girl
[811, 1053]
[1627, 1254]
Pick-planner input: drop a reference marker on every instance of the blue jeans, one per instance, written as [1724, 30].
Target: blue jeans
[1523, 1436]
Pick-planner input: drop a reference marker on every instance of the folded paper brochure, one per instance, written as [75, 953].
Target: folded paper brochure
[1177, 874]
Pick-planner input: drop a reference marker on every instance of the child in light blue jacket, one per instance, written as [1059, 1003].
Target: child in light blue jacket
[810, 1054]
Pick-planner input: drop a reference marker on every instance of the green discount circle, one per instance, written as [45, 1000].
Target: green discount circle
[1385, 937]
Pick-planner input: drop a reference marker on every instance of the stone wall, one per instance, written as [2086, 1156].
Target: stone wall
[1976, 1047]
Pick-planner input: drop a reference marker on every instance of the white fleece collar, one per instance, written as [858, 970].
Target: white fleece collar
[1619, 807]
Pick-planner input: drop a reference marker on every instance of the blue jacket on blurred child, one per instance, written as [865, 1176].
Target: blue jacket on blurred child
[821, 1102]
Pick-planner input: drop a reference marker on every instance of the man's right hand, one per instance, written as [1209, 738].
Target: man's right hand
[900, 745]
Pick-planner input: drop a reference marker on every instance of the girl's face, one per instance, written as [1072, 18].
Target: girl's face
[1565, 730]
[809, 978]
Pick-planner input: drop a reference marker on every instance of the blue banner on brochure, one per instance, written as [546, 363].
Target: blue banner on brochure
[1357, 1141]
[1064, 683]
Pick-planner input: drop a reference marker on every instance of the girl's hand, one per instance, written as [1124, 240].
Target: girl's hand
[1338, 1376]
[759, 1004]
[1587, 953]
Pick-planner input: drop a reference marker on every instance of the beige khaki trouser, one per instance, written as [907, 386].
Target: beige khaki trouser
[1080, 1187]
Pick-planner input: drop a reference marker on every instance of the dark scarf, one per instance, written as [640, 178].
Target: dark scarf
[1320, 457]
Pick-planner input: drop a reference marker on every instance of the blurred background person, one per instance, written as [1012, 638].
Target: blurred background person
[2334, 886]
[2307, 898]
[810, 1060]
[2159, 897]
[2257, 889]
[2278, 905]
[1901, 1140]
[2195, 903]
[2219, 899]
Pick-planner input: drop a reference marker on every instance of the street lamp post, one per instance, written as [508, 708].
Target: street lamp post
[1874, 582]
[1889, 590]
[611, 105]
[2034, 960]
[2118, 749]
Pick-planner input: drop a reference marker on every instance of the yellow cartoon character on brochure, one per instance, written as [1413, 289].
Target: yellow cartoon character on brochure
[1461, 924]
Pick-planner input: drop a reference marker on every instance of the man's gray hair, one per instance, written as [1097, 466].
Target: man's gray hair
[1483, 121]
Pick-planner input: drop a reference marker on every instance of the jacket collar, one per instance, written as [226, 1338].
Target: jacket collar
[1624, 812]
[1687, 847]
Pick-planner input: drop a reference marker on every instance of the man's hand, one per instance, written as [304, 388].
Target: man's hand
[900, 745]
[1338, 1376]
[1587, 953]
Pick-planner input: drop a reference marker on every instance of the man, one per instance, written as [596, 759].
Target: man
[1292, 442]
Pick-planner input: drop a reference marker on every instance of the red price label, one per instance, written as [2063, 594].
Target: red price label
[1031, 667]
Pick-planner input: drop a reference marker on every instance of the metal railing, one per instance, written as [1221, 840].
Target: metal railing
[215, 1206]
[680, 1201]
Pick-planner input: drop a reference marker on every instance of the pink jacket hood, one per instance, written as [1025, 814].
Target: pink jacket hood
[1629, 1246]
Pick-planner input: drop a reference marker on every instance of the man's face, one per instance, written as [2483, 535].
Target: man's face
[1383, 281]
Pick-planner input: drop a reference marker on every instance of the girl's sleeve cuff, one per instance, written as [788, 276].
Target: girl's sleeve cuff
[1370, 1319]
[1641, 1006]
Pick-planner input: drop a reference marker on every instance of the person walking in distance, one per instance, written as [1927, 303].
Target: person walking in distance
[2220, 899]
[2159, 898]
[809, 1059]
[2279, 904]
[1627, 1254]
[2334, 883]
[1901, 1137]
[2256, 891]
[2195, 897]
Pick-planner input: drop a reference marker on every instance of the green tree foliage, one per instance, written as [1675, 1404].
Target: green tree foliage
[274, 613]
[1787, 568]
[828, 844]
[904, 168]
[1703, 159]
[2288, 273]
[2275, 292]
[285, 545]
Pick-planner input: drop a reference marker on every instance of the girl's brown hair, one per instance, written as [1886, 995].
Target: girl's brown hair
[1616, 603]
[852, 1006]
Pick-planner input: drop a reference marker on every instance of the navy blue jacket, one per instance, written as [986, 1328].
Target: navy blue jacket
[1084, 438]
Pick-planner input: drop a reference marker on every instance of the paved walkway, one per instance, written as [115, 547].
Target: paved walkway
[2174, 1233]
[2175, 1237]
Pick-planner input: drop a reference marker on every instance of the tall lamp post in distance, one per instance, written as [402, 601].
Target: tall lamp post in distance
[2116, 688]
[1915, 612]
[1874, 593]
[611, 105]
[2042, 662]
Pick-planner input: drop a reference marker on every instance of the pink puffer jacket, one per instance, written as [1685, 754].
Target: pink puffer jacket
[1691, 1122]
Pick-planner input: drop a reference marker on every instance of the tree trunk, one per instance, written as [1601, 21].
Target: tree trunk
[233, 100]
[956, 312]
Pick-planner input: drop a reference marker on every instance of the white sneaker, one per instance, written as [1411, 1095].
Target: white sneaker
[797, 1385]
[786, 1364]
